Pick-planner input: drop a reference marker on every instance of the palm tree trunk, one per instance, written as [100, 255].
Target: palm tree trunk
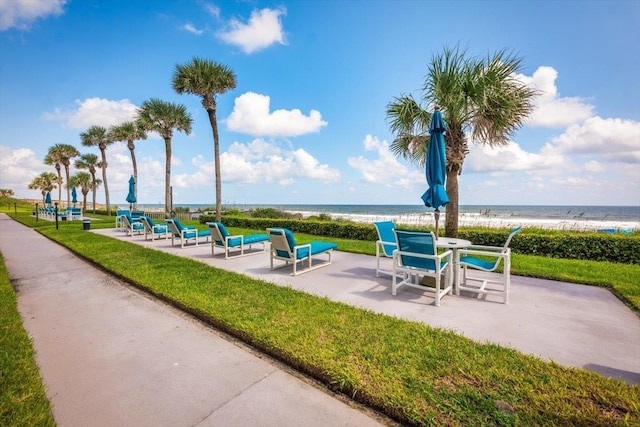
[93, 190]
[167, 179]
[451, 217]
[66, 170]
[104, 179]
[216, 159]
[135, 171]
[59, 183]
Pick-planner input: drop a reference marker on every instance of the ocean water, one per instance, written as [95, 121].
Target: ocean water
[498, 216]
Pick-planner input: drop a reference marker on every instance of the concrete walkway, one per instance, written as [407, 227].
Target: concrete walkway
[111, 356]
[574, 325]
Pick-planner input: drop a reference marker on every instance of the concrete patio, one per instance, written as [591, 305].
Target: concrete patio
[573, 325]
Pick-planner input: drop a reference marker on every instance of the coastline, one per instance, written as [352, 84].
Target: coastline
[569, 218]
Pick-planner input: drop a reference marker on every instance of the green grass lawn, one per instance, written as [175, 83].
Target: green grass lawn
[414, 373]
[23, 401]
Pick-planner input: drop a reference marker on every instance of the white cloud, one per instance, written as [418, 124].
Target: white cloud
[260, 162]
[212, 10]
[614, 140]
[94, 111]
[386, 169]
[263, 29]
[550, 109]
[189, 27]
[510, 157]
[19, 166]
[251, 115]
[20, 14]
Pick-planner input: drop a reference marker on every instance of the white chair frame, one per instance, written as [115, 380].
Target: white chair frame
[279, 241]
[411, 275]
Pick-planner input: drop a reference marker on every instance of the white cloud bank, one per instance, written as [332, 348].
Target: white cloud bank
[551, 110]
[251, 115]
[21, 14]
[386, 169]
[260, 162]
[94, 111]
[263, 29]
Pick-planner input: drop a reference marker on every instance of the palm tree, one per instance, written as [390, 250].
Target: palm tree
[44, 182]
[86, 182]
[480, 98]
[207, 79]
[90, 162]
[97, 136]
[51, 158]
[63, 153]
[163, 117]
[130, 132]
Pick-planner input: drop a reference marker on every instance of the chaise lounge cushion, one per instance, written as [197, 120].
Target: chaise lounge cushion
[237, 241]
[316, 247]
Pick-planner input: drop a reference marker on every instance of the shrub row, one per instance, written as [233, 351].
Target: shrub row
[569, 245]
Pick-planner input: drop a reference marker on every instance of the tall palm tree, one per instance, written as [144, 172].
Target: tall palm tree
[480, 98]
[86, 182]
[130, 132]
[155, 115]
[207, 79]
[97, 136]
[90, 162]
[63, 153]
[44, 182]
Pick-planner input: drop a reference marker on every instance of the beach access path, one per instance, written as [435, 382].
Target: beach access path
[573, 325]
[110, 355]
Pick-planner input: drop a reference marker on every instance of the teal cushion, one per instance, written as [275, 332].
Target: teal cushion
[316, 248]
[477, 263]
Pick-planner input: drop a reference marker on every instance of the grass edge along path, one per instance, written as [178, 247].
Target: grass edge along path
[23, 400]
[417, 374]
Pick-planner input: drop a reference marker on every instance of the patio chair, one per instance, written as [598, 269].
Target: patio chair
[416, 258]
[156, 231]
[130, 226]
[220, 238]
[74, 213]
[185, 233]
[284, 248]
[487, 259]
[386, 243]
[119, 213]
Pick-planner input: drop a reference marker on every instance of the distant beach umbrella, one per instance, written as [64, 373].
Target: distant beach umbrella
[131, 197]
[436, 167]
[74, 196]
[47, 199]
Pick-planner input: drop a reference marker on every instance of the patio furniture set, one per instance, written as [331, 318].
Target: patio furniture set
[416, 255]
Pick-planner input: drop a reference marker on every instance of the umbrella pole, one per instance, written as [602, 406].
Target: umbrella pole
[436, 215]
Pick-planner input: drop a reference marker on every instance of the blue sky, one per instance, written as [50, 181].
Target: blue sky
[306, 123]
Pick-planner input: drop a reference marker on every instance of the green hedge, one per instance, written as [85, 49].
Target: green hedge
[556, 244]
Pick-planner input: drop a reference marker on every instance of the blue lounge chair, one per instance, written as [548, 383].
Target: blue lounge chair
[220, 238]
[130, 226]
[74, 213]
[284, 248]
[488, 259]
[119, 213]
[417, 257]
[186, 233]
[156, 231]
[386, 243]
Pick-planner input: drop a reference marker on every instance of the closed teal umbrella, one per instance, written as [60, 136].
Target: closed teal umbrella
[436, 166]
[47, 198]
[131, 197]
[74, 196]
